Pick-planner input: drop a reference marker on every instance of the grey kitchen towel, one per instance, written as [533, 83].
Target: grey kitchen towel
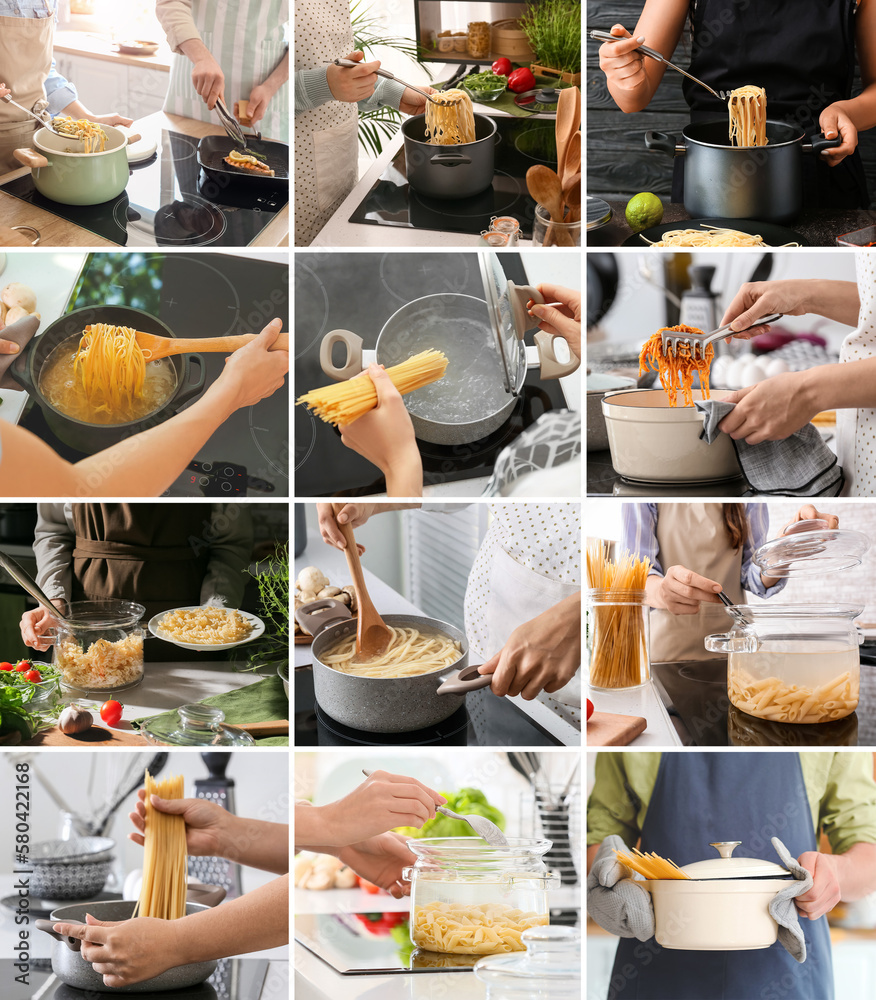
[19, 333]
[800, 466]
[555, 438]
[614, 900]
[782, 908]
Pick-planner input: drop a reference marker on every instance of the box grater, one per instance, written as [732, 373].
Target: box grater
[219, 789]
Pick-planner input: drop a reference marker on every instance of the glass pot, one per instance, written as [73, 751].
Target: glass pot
[100, 649]
[618, 639]
[792, 663]
[468, 898]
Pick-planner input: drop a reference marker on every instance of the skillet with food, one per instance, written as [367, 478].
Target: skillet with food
[215, 150]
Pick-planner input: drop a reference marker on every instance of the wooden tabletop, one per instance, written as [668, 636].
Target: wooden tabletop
[58, 232]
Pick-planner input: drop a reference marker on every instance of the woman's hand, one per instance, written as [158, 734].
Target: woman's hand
[259, 98]
[126, 951]
[353, 84]
[773, 409]
[253, 372]
[760, 298]
[835, 121]
[543, 654]
[34, 624]
[680, 591]
[560, 321]
[111, 119]
[385, 437]
[381, 860]
[413, 103]
[623, 65]
[354, 514]
[825, 892]
[208, 78]
[4, 91]
[809, 512]
[207, 824]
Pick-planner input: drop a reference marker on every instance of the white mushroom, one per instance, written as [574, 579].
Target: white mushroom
[346, 878]
[312, 578]
[16, 294]
[329, 592]
[14, 314]
[351, 590]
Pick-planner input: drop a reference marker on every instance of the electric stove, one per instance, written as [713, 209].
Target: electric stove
[484, 720]
[359, 292]
[169, 202]
[695, 695]
[201, 295]
[604, 480]
[520, 144]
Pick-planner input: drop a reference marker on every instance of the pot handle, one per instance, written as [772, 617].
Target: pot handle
[74, 944]
[727, 642]
[134, 137]
[206, 894]
[663, 142]
[352, 366]
[468, 679]
[318, 615]
[551, 366]
[818, 142]
[30, 158]
[191, 389]
[449, 159]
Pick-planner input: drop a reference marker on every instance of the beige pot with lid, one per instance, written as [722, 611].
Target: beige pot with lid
[722, 906]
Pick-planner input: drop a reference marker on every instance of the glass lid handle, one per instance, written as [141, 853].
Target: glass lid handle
[202, 718]
[726, 847]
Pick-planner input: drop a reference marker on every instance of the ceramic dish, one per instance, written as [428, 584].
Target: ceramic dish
[258, 628]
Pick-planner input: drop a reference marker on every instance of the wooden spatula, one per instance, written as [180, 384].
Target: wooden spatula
[568, 122]
[164, 347]
[373, 635]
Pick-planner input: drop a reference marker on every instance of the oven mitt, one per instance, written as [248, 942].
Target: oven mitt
[20, 333]
[614, 900]
[782, 908]
[800, 466]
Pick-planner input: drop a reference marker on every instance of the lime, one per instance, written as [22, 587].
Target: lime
[643, 211]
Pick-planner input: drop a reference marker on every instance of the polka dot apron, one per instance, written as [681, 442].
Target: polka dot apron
[856, 429]
[326, 138]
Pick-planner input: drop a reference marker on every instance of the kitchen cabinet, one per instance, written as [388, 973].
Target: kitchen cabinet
[106, 85]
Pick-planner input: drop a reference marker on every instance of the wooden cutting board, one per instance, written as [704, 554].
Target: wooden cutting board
[97, 736]
[605, 729]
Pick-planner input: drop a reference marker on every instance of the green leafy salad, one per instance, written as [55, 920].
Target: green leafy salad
[466, 802]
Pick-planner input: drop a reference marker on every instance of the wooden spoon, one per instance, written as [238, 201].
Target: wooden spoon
[572, 196]
[572, 165]
[164, 347]
[568, 122]
[544, 185]
[373, 635]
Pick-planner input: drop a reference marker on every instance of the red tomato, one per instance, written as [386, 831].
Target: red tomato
[589, 708]
[23, 665]
[369, 887]
[6, 665]
[33, 675]
[502, 67]
[521, 80]
[111, 712]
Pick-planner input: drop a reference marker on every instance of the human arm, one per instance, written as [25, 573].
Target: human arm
[836, 300]
[837, 878]
[230, 541]
[146, 464]
[53, 548]
[543, 654]
[261, 95]
[76, 109]
[354, 514]
[560, 321]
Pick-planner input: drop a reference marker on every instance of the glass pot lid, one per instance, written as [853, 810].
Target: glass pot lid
[195, 726]
[506, 305]
[726, 866]
[549, 968]
[751, 614]
[810, 548]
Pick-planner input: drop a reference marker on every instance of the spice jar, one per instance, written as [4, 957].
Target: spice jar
[468, 898]
[99, 648]
[618, 639]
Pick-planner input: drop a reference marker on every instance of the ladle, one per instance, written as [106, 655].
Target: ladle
[373, 635]
[165, 347]
[544, 186]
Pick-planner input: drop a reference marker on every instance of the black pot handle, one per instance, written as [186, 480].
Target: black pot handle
[19, 370]
[818, 142]
[191, 389]
[663, 142]
[449, 159]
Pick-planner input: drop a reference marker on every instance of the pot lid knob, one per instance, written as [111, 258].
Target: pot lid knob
[726, 847]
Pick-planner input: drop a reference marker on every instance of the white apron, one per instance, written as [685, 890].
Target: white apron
[25, 60]
[326, 138]
[693, 535]
[856, 429]
[246, 38]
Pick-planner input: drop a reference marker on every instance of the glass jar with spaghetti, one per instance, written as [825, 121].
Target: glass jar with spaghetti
[98, 647]
[479, 39]
[618, 639]
[792, 663]
[468, 898]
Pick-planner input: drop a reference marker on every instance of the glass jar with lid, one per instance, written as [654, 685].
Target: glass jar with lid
[468, 898]
[618, 639]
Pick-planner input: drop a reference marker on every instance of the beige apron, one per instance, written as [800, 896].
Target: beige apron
[693, 535]
[326, 138]
[25, 60]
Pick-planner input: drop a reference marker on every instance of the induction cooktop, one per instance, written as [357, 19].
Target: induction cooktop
[520, 144]
[201, 295]
[359, 292]
[169, 202]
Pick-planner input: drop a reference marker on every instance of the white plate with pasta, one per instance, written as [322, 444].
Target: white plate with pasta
[206, 629]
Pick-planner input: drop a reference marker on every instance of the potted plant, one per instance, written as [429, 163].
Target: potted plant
[553, 28]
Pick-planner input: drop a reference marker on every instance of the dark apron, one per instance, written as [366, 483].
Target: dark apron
[699, 798]
[155, 554]
[803, 53]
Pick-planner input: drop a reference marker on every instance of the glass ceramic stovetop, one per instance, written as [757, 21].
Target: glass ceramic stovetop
[168, 202]
[201, 295]
[520, 144]
[359, 292]
[604, 480]
[234, 979]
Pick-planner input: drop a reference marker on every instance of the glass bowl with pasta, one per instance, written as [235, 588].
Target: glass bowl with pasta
[471, 899]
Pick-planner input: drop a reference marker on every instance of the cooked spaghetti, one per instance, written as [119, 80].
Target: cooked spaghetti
[748, 116]
[651, 865]
[205, 626]
[451, 121]
[475, 929]
[345, 402]
[91, 135]
[711, 236]
[677, 369]
[163, 890]
[616, 623]
[410, 653]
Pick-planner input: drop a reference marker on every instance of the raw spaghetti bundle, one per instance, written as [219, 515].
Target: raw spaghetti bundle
[451, 121]
[111, 367]
[163, 892]
[651, 865]
[344, 402]
[747, 106]
[617, 619]
[710, 236]
[677, 370]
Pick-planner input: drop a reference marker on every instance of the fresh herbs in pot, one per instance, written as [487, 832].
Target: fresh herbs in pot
[553, 28]
[272, 649]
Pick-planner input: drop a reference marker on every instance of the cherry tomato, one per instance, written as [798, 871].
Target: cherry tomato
[23, 665]
[589, 708]
[33, 675]
[6, 665]
[111, 712]
[502, 67]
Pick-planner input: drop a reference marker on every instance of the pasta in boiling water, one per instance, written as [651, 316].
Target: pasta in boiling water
[451, 121]
[410, 653]
[484, 929]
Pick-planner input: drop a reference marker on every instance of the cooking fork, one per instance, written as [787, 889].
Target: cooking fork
[698, 341]
[605, 36]
[350, 64]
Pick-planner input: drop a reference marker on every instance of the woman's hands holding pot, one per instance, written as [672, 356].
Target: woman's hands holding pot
[563, 321]
[207, 824]
[835, 121]
[774, 409]
[825, 892]
[381, 860]
[681, 591]
[34, 624]
[353, 85]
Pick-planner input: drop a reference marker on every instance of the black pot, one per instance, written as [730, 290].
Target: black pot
[449, 172]
[741, 182]
[91, 438]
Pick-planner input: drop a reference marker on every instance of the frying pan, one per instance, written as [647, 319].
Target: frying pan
[212, 150]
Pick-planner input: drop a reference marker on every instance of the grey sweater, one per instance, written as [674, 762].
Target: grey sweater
[312, 90]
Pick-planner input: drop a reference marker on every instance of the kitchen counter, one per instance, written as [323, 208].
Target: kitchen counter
[821, 228]
[86, 43]
[58, 232]
[644, 702]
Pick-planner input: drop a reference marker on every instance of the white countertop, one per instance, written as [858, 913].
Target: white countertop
[643, 702]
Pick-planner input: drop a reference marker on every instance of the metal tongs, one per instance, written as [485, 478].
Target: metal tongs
[231, 124]
[350, 64]
[606, 36]
[698, 341]
[45, 122]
